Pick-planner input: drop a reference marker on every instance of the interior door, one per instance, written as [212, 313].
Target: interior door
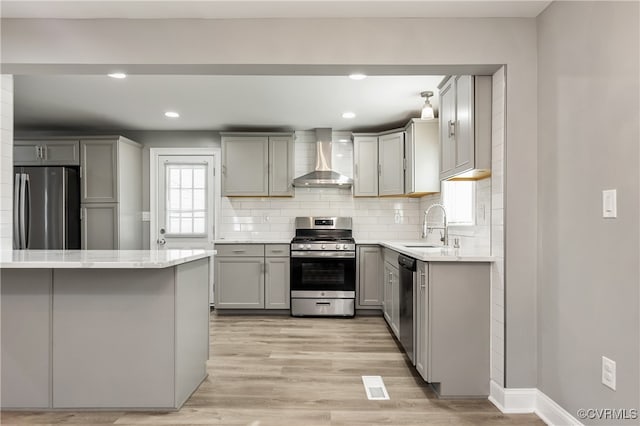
[185, 202]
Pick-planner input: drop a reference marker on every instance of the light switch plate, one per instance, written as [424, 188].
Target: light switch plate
[146, 216]
[609, 203]
[609, 372]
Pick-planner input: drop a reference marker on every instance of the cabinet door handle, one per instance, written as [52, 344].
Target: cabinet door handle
[43, 152]
[379, 169]
[238, 251]
[266, 268]
[356, 170]
[452, 128]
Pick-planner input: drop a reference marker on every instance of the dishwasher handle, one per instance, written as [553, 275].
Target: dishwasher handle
[407, 262]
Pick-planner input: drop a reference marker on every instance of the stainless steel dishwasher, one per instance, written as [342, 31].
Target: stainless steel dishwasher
[407, 303]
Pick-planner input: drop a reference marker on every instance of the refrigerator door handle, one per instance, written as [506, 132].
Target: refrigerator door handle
[26, 210]
[65, 178]
[17, 216]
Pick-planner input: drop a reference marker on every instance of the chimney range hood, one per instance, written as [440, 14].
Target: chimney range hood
[323, 176]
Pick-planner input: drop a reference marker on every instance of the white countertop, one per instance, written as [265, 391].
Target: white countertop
[112, 259]
[426, 254]
[232, 241]
[437, 254]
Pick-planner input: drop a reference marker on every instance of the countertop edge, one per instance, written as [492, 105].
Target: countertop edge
[109, 264]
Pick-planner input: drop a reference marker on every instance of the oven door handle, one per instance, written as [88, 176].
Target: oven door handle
[325, 254]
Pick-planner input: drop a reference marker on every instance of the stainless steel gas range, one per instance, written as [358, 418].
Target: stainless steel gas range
[323, 267]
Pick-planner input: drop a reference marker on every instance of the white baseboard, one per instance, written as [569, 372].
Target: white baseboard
[530, 400]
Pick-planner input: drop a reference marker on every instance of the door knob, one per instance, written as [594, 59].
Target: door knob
[161, 241]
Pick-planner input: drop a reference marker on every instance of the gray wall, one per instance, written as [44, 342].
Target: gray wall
[588, 137]
[308, 46]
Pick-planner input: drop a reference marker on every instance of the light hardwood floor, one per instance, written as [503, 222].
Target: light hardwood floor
[275, 370]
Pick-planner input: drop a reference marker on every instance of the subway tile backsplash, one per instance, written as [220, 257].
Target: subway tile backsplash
[273, 218]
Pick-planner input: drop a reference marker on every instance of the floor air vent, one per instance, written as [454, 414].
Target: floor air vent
[374, 387]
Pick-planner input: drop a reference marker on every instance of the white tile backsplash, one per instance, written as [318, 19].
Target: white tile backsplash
[6, 160]
[273, 218]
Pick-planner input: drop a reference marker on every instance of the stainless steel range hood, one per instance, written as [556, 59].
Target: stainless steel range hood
[323, 176]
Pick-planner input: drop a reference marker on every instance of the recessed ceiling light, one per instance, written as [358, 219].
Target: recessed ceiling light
[357, 76]
[172, 114]
[117, 75]
[348, 114]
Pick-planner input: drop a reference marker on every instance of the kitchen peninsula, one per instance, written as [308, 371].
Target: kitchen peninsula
[102, 329]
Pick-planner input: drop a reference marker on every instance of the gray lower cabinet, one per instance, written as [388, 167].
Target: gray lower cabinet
[252, 276]
[99, 223]
[452, 327]
[420, 314]
[103, 338]
[239, 282]
[276, 283]
[25, 349]
[370, 285]
[391, 277]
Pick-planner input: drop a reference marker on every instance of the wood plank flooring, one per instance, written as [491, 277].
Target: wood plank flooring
[275, 370]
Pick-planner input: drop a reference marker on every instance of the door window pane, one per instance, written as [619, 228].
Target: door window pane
[186, 199]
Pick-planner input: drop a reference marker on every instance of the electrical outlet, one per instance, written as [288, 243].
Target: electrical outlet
[609, 373]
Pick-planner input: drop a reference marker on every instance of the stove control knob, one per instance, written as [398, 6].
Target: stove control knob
[337, 246]
[344, 246]
[300, 246]
[323, 247]
[308, 246]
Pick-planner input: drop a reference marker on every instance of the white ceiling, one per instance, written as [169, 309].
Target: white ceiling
[148, 9]
[218, 102]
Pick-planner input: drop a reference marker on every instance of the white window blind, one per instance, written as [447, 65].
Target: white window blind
[186, 199]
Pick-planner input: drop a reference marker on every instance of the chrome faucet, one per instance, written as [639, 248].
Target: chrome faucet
[426, 229]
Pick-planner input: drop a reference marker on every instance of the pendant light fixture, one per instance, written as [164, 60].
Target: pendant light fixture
[427, 109]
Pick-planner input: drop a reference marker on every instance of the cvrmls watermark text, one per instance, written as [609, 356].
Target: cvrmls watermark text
[608, 413]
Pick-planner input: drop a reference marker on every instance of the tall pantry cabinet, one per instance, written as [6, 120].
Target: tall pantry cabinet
[111, 193]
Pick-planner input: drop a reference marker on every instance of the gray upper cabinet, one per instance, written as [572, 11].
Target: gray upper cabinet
[281, 163]
[365, 156]
[257, 165]
[465, 122]
[397, 162]
[421, 150]
[99, 171]
[62, 152]
[370, 286]
[391, 160]
[245, 165]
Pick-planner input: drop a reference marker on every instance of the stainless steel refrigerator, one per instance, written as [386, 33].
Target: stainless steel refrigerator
[46, 208]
